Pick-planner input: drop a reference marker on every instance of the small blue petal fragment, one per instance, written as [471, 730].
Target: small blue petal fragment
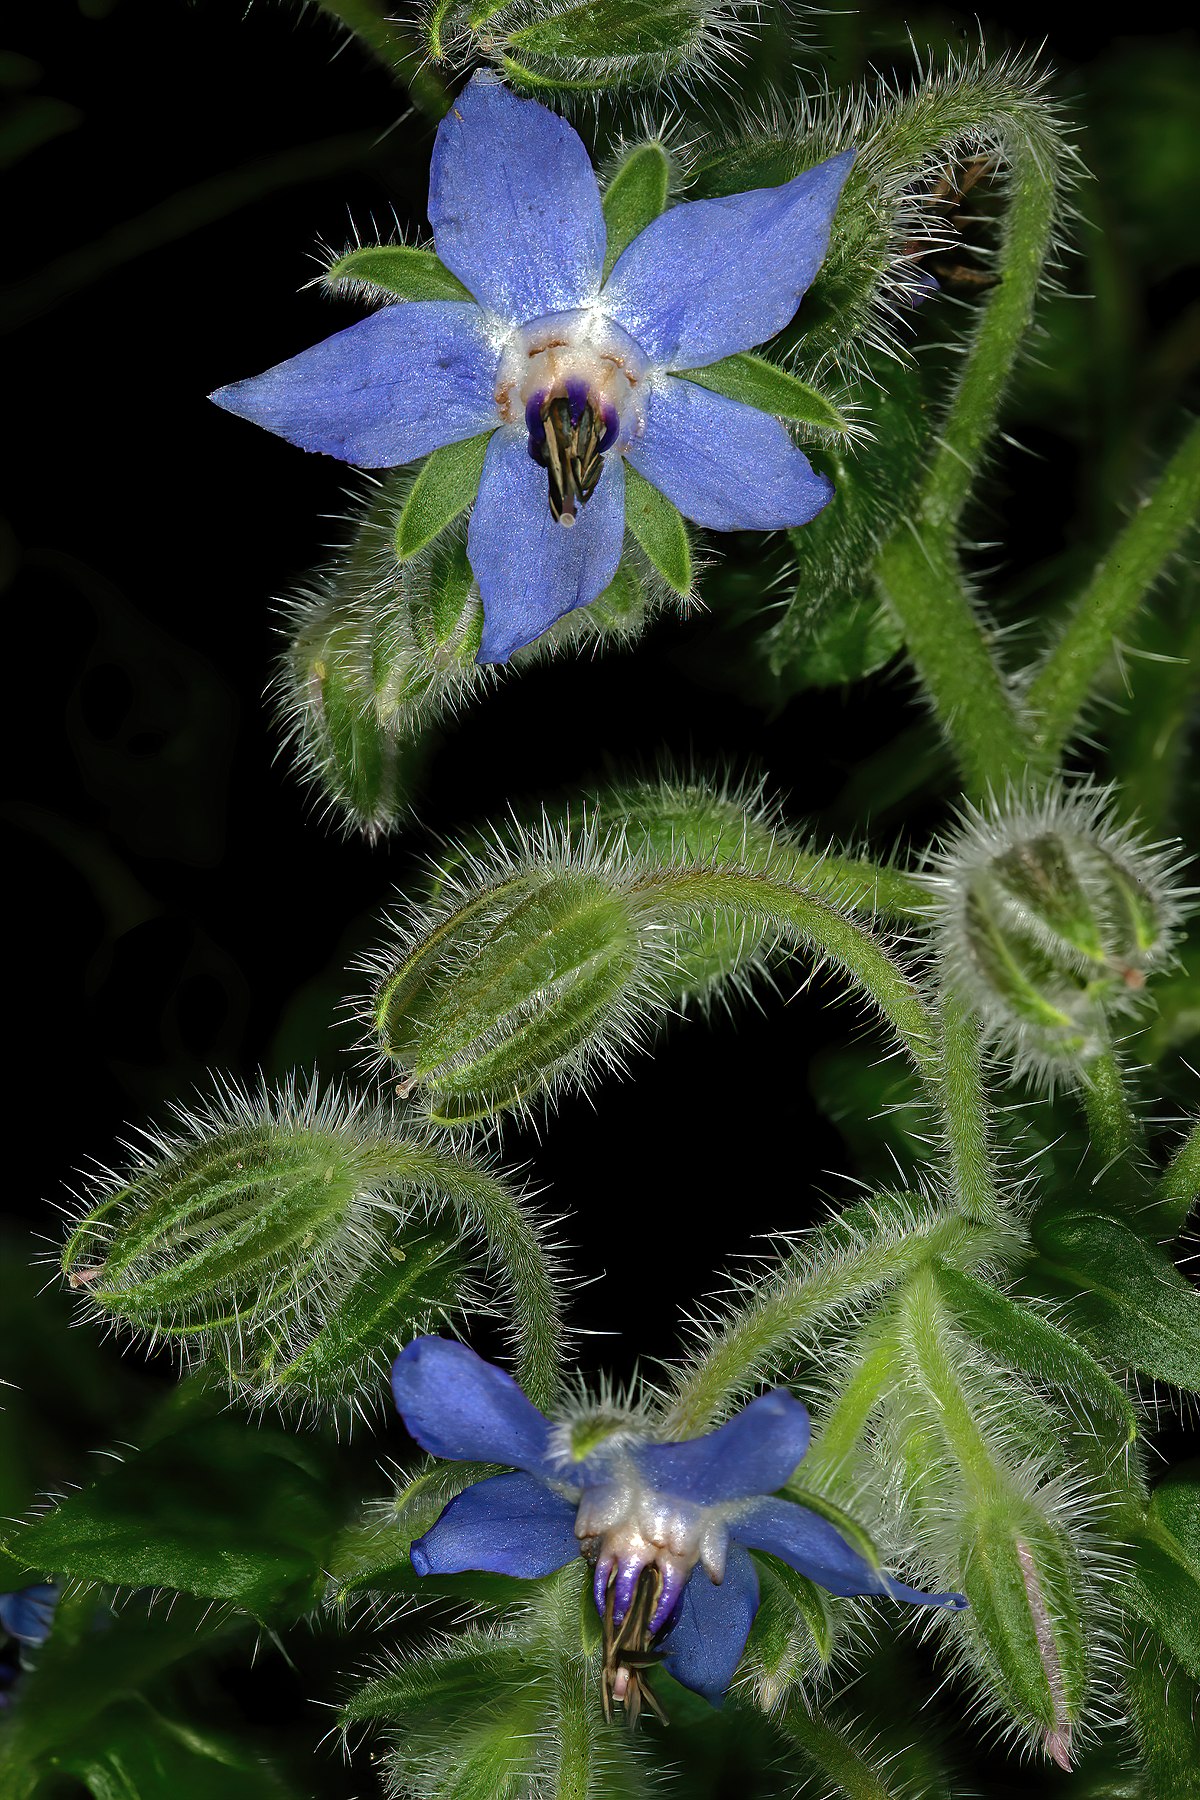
[397, 385]
[810, 1544]
[724, 464]
[703, 1647]
[509, 1525]
[755, 1453]
[460, 1407]
[530, 569]
[29, 1614]
[514, 204]
[712, 277]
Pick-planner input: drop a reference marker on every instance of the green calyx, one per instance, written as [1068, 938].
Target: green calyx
[509, 992]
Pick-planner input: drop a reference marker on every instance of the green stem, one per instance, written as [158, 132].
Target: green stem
[844, 1426]
[1179, 1185]
[401, 55]
[809, 1289]
[963, 1106]
[920, 580]
[917, 568]
[933, 1370]
[834, 1754]
[816, 925]
[1000, 337]
[857, 884]
[1111, 1123]
[573, 1728]
[1060, 690]
[485, 1204]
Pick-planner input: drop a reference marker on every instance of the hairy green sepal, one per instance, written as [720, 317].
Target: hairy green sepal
[398, 269]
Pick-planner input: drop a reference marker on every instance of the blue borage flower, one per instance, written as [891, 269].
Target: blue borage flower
[28, 1615]
[570, 374]
[667, 1527]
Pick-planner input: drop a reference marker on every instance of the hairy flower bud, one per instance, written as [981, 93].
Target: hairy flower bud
[1026, 1621]
[1051, 918]
[285, 1239]
[520, 974]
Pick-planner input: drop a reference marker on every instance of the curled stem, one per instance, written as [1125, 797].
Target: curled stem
[814, 924]
[487, 1205]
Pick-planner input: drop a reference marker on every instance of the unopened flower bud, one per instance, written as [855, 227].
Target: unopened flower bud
[1052, 918]
[278, 1237]
[1025, 1623]
[521, 975]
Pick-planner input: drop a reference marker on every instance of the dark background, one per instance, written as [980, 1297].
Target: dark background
[175, 906]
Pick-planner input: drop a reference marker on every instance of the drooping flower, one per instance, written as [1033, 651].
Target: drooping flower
[668, 1527]
[28, 1614]
[570, 373]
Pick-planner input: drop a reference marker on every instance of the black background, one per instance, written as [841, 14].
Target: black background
[174, 904]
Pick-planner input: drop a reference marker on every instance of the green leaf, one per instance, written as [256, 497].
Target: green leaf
[1164, 1580]
[221, 1510]
[399, 269]
[445, 486]
[1027, 1341]
[1131, 1297]
[133, 1753]
[636, 194]
[772, 389]
[660, 531]
[787, 1598]
[1165, 1710]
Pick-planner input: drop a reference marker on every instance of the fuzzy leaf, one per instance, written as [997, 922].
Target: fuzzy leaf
[757, 382]
[136, 1754]
[221, 1510]
[1130, 1296]
[446, 485]
[660, 531]
[399, 269]
[1030, 1342]
[1165, 1708]
[1164, 1582]
[636, 194]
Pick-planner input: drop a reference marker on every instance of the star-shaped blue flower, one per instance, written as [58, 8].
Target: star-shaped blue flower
[572, 374]
[28, 1615]
[668, 1527]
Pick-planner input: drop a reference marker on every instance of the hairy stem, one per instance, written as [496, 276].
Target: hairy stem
[921, 582]
[1179, 1185]
[814, 924]
[1114, 1131]
[835, 1756]
[485, 1204]
[370, 22]
[762, 1335]
[1061, 688]
[964, 1112]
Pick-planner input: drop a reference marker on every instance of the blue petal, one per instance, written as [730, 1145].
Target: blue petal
[29, 1614]
[514, 204]
[712, 277]
[725, 465]
[755, 1453]
[704, 1645]
[510, 1525]
[531, 570]
[458, 1406]
[809, 1543]
[397, 385]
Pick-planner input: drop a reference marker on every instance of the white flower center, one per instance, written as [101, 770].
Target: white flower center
[577, 381]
